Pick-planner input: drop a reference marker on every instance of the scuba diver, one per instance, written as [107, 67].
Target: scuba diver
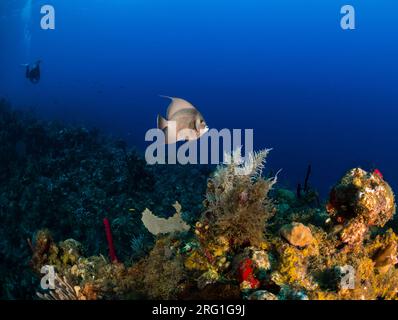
[33, 72]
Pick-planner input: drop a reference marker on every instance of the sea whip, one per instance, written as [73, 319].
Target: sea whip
[112, 253]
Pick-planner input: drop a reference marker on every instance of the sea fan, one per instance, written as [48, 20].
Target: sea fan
[157, 225]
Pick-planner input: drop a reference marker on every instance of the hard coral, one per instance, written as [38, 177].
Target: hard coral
[358, 201]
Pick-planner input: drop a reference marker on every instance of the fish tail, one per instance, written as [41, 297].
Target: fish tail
[162, 122]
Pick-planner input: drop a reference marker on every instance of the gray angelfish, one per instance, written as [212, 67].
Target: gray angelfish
[183, 122]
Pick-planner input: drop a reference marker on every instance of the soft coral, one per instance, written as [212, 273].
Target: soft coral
[112, 253]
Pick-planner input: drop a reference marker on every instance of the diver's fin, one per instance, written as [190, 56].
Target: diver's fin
[162, 122]
[176, 105]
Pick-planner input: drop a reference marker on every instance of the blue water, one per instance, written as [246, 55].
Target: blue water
[313, 92]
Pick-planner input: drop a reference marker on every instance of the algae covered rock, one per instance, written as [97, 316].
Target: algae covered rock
[262, 295]
[360, 200]
[71, 251]
[386, 257]
[297, 234]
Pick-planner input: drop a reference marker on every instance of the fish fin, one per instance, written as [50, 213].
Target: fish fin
[162, 122]
[182, 139]
[177, 104]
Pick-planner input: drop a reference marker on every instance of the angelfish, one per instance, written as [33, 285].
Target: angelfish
[183, 122]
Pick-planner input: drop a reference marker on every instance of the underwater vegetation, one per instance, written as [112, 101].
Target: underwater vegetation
[114, 228]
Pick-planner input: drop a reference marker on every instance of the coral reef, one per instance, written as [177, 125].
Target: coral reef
[233, 224]
[241, 238]
[299, 261]
[295, 261]
[67, 179]
[360, 200]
